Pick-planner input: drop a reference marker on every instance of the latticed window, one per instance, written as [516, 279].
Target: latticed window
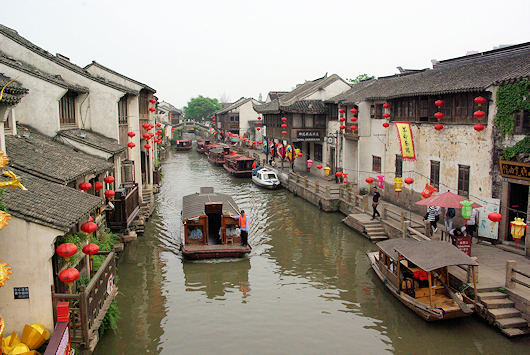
[435, 174]
[122, 110]
[376, 164]
[67, 109]
[463, 180]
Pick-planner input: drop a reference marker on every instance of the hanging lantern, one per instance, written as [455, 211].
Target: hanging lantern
[259, 118]
[309, 163]
[467, 210]
[98, 185]
[438, 127]
[479, 100]
[152, 101]
[338, 174]
[409, 180]
[342, 110]
[109, 193]
[258, 129]
[438, 103]
[147, 146]
[380, 181]
[69, 276]
[479, 114]
[284, 119]
[90, 250]
[145, 126]
[85, 186]
[109, 179]
[159, 131]
[284, 125]
[146, 136]
[66, 250]
[258, 123]
[386, 105]
[354, 110]
[131, 134]
[494, 217]
[342, 126]
[284, 132]
[438, 115]
[386, 115]
[159, 124]
[299, 154]
[353, 118]
[131, 145]
[398, 182]
[342, 119]
[319, 166]
[428, 191]
[386, 124]
[327, 169]
[353, 128]
[478, 127]
[5, 271]
[89, 227]
[369, 180]
[152, 109]
[517, 228]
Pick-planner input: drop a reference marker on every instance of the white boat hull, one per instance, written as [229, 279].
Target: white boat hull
[265, 184]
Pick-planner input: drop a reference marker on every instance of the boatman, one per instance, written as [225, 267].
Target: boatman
[243, 226]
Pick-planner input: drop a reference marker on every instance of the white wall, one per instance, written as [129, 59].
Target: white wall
[246, 114]
[28, 249]
[335, 88]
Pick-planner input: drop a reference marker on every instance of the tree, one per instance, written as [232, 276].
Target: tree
[201, 108]
[360, 78]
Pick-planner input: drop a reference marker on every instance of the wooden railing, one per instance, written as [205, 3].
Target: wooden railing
[125, 209]
[90, 304]
[511, 272]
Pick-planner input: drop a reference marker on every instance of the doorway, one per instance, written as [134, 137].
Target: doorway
[332, 159]
[517, 205]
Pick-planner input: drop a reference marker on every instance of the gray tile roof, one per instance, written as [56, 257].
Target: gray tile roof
[276, 94]
[93, 139]
[235, 105]
[51, 160]
[14, 36]
[306, 106]
[47, 203]
[13, 93]
[94, 63]
[193, 205]
[356, 88]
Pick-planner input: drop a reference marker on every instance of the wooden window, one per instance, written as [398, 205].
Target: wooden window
[424, 109]
[521, 123]
[122, 110]
[376, 164]
[67, 108]
[435, 174]
[143, 102]
[372, 111]
[320, 121]
[318, 152]
[399, 166]
[463, 180]
[378, 111]
[462, 104]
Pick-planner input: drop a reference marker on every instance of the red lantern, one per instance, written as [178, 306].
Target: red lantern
[479, 114]
[69, 276]
[385, 124]
[479, 100]
[319, 166]
[342, 126]
[85, 186]
[284, 125]
[97, 185]
[259, 118]
[152, 101]
[284, 119]
[159, 132]
[89, 227]
[109, 193]
[438, 115]
[172, 129]
[66, 250]
[109, 179]
[90, 249]
[258, 123]
[353, 127]
[258, 129]
[338, 174]
[438, 127]
[146, 126]
[284, 132]
[300, 155]
[386, 105]
[353, 119]
[159, 124]
[131, 145]
[438, 103]
[213, 119]
[409, 180]
[386, 115]
[131, 134]
[354, 110]
[342, 110]
[146, 136]
[147, 146]
[151, 126]
[369, 180]
[478, 127]
[151, 135]
[152, 109]
[494, 216]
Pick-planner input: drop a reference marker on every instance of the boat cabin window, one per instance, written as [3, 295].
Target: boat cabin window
[195, 232]
[270, 176]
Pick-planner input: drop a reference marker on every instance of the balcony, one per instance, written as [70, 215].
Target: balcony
[351, 135]
[126, 207]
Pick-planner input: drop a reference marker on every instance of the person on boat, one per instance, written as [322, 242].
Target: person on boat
[375, 202]
[196, 233]
[243, 225]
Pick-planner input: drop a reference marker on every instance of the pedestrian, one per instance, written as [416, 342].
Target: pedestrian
[243, 225]
[448, 218]
[375, 202]
[471, 224]
[431, 217]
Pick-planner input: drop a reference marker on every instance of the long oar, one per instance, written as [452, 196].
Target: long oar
[463, 306]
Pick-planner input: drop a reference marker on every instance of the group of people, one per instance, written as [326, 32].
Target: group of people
[433, 216]
[195, 232]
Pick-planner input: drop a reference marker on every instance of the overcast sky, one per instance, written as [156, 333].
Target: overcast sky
[230, 48]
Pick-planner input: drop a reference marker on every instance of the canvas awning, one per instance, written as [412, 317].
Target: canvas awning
[388, 246]
[446, 199]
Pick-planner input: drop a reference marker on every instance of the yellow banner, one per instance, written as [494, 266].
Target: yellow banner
[406, 140]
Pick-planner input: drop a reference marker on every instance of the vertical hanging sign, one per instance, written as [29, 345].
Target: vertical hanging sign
[406, 140]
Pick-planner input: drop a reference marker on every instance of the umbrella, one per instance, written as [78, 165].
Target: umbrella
[446, 199]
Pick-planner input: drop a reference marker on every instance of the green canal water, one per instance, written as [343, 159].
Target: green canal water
[306, 288]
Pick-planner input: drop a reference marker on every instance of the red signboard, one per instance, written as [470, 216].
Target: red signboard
[464, 244]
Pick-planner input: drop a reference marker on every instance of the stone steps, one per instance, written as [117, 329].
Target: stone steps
[500, 313]
[515, 322]
[513, 332]
[498, 303]
[491, 295]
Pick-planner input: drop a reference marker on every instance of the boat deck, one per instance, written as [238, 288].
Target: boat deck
[440, 301]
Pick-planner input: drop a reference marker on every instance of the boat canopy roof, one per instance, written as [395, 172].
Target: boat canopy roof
[239, 157]
[217, 150]
[193, 205]
[428, 255]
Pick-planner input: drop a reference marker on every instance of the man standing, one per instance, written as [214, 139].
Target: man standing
[243, 226]
[375, 202]
[471, 224]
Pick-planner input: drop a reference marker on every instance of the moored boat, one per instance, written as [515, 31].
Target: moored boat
[210, 226]
[201, 143]
[239, 165]
[217, 155]
[416, 273]
[210, 146]
[183, 144]
[266, 178]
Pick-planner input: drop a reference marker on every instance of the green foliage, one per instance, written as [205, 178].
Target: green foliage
[3, 206]
[523, 146]
[511, 98]
[110, 321]
[156, 162]
[201, 108]
[360, 78]
[105, 242]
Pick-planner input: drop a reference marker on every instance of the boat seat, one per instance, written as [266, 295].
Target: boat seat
[229, 239]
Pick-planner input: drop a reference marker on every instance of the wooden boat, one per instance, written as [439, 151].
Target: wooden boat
[266, 178]
[201, 143]
[239, 165]
[210, 146]
[210, 226]
[183, 145]
[217, 155]
[416, 273]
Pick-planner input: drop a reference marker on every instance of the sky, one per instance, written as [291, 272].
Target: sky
[228, 49]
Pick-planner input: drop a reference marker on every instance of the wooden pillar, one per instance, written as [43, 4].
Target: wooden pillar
[404, 230]
[474, 282]
[510, 265]
[398, 273]
[430, 289]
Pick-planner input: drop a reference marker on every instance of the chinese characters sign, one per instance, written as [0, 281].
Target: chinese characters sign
[406, 140]
[306, 136]
[515, 170]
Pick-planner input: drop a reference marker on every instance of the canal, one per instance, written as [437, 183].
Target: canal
[307, 286]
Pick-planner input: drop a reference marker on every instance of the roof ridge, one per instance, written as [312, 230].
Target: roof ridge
[119, 74]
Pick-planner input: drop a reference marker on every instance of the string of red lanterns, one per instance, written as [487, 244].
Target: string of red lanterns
[386, 115]
[284, 119]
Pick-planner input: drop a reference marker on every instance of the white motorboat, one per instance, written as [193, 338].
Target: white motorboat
[265, 178]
